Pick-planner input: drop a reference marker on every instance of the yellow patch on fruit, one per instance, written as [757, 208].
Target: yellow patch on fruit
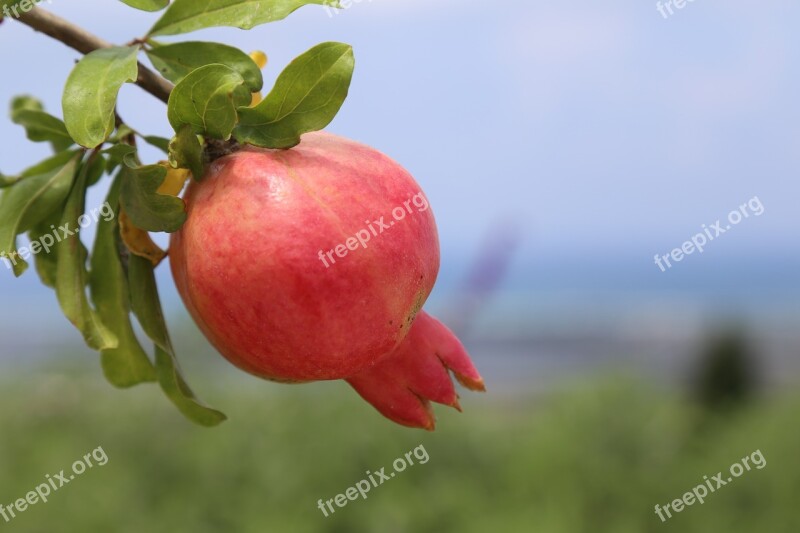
[138, 241]
[259, 58]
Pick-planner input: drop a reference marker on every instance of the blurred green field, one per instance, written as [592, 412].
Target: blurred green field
[594, 458]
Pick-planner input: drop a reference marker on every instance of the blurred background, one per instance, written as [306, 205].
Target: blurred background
[562, 145]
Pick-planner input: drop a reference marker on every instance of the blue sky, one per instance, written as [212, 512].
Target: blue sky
[599, 130]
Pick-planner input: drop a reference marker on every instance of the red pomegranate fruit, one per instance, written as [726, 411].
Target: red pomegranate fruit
[313, 264]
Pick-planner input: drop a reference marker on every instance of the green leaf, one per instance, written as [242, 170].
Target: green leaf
[90, 95]
[307, 96]
[127, 364]
[147, 308]
[146, 208]
[207, 100]
[176, 61]
[121, 154]
[28, 112]
[185, 16]
[147, 5]
[40, 126]
[15, 7]
[122, 133]
[55, 162]
[7, 181]
[26, 101]
[159, 142]
[47, 233]
[97, 167]
[71, 274]
[32, 199]
[185, 151]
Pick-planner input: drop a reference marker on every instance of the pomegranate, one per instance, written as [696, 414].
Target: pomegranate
[313, 264]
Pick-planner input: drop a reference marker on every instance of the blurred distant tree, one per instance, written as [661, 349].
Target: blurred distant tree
[726, 376]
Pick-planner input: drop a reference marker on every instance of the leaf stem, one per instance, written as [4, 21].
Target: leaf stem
[85, 42]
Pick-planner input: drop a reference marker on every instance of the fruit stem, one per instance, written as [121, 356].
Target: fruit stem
[85, 42]
[216, 148]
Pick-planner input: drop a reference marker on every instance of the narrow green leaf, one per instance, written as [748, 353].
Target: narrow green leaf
[307, 96]
[127, 364]
[52, 163]
[46, 231]
[159, 142]
[47, 234]
[31, 200]
[147, 308]
[147, 5]
[185, 151]
[51, 199]
[71, 274]
[185, 16]
[146, 208]
[97, 168]
[176, 61]
[207, 100]
[90, 95]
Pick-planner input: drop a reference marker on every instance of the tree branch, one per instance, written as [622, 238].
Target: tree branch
[85, 42]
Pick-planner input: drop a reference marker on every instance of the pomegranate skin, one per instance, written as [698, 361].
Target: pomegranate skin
[250, 261]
